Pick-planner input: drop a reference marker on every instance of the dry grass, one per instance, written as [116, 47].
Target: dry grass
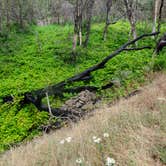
[137, 129]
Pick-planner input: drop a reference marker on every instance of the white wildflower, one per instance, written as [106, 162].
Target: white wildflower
[94, 137]
[110, 161]
[161, 99]
[68, 139]
[106, 135]
[62, 141]
[97, 140]
[79, 161]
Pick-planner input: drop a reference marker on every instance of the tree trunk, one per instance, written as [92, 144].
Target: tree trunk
[20, 21]
[133, 32]
[130, 8]
[160, 15]
[107, 22]
[75, 41]
[58, 19]
[89, 7]
[80, 38]
[77, 24]
[156, 6]
[1, 19]
[7, 14]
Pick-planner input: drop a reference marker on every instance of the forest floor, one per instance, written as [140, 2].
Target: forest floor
[132, 132]
[41, 56]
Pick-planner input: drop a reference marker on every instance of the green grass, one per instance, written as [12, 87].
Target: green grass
[162, 154]
[41, 57]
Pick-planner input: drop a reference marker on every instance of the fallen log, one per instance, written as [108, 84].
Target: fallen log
[35, 97]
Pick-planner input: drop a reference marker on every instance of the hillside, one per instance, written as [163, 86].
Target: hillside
[42, 56]
[88, 73]
[135, 134]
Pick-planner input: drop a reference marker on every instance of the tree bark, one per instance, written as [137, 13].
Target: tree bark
[129, 4]
[1, 16]
[7, 14]
[160, 15]
[20, 14]
[89, 9]
[77, 24]
[107, 21]
[156, 6]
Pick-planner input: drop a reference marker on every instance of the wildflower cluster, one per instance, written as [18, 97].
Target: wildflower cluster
[105, 135]
[68, 140]
[108, 162]
[96, 140]
[79, 161]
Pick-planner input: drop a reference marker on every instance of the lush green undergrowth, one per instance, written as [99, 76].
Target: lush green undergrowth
[42, 57]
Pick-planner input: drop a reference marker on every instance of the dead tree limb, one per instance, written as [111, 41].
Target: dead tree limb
[49, 106]
[137, 49]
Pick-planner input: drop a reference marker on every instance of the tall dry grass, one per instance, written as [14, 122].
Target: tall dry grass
[136, 127]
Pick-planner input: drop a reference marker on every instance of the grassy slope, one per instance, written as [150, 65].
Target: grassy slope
[41, 57]
[137, 135]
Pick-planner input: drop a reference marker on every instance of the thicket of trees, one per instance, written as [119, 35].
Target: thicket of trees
[80, 13]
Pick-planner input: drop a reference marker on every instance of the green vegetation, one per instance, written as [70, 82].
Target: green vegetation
[18, 124]
[42, 57]
[162, 154]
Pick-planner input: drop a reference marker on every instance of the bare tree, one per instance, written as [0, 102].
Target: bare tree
[131, 14]
[107, 21]
[89, 8]
[20, 7]
[156, 7]
[78, 14]
[160, 15]
[7, 12]
[82, 12]
[55, 11]
[45, 12]
[1, 17]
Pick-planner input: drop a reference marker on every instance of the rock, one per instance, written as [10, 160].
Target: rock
[81, 103]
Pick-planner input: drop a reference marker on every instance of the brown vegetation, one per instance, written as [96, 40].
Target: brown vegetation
[136, 128]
